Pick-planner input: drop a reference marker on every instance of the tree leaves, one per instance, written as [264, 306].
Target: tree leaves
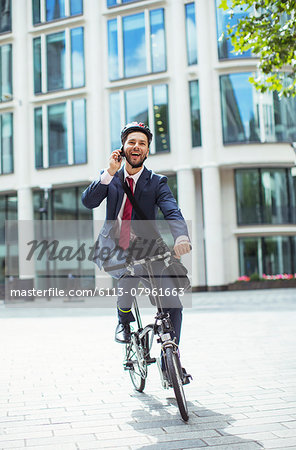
[269, 31]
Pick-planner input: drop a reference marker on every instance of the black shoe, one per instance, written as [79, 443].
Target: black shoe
[123, 333]
[186, 376]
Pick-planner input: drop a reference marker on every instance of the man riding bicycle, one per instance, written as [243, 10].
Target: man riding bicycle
[151, 192]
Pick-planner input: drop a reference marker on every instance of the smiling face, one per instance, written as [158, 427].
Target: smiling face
[136, 149]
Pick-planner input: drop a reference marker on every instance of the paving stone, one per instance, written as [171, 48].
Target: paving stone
[243, 396]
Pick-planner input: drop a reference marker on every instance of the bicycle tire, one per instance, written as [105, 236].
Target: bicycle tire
[174, 373]
[138, 376]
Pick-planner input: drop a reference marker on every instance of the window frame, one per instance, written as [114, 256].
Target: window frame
[8, 113]
[290, 197]
[258, 112]
[3, 33]
[148, 47]
[9, 94]
[42, 9]
[70, 134]
[261, 255]
[68, 61]
[150, 110]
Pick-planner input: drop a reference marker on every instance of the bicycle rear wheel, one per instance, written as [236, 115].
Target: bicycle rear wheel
[175, 375]
[136, 365]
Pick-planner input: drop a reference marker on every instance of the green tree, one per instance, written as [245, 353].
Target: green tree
[269, 31]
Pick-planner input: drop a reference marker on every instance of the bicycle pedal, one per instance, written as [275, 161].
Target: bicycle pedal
[186, 378]
[128, 365]
[150, 360]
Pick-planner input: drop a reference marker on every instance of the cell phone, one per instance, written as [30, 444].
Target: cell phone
[122, 155]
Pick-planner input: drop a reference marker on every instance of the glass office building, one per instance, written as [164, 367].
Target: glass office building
[73, 72]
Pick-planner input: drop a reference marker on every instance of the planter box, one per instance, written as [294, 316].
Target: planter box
[265, 284]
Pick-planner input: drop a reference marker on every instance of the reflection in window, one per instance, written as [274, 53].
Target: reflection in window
[37, 65]
[57, 135]
[276, 255]
[115, 122]
[5, 72]
[267, 255]
[113, 50]
[265, 196]
[111, 3]
[61, 118]
[158, 59]
[275, 196]
[161, 118]
[77, 57]
[195, 113]
[134, 45]
[240, 118]
[225, 47]
[249, 116]
[8, 249]
[55, 9]
[136, 30]
[247, 184]
[135, 105]
[5, 16]
[248, 256]
[6, 143]
[38, 138]
[191, 34]
[79, 131]
[59, 74]
[56, 74]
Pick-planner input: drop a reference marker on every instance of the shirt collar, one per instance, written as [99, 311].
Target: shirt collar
[135, 177]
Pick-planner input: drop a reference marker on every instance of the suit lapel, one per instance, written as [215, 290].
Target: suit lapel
[142, 181]
[120, 191]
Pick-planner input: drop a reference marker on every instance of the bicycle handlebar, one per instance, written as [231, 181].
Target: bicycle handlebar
[137, 262]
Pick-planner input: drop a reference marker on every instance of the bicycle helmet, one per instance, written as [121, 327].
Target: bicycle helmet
[136, 126]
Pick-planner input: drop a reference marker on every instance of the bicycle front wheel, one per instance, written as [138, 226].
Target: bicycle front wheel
[136, 364]
[174, 373]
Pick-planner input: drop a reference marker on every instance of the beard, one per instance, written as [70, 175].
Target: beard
[139, 164]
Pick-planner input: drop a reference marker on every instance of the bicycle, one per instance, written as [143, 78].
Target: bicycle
[137, 351]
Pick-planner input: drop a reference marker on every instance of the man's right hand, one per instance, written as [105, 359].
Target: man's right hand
[114, 162]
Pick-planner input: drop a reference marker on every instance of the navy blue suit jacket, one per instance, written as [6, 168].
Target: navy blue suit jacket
[152, 192]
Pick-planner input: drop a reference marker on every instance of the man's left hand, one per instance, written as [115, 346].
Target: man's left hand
[182, 248]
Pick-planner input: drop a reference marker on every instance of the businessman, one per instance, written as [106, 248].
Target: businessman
[150, 192]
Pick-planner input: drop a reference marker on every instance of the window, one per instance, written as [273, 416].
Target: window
[71, 224]
[65, 143]
[54, 51]
[111, 3]
[240, 118]
[6, 143]
[136, 105]
[191, 34]
[5, 72]
[142, 44]
[267, 255]
[5, 16]
[225, 47]
[248, 116]
[49, 10]
[8, 249]
[195, 113]
[265, 196]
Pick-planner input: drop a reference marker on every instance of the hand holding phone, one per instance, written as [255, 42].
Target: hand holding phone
[122, 155]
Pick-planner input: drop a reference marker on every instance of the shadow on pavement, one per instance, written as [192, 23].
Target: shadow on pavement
[161, 422]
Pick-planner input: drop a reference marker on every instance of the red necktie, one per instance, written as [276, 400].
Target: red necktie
[125, 232]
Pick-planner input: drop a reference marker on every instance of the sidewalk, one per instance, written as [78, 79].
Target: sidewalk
[62, 385]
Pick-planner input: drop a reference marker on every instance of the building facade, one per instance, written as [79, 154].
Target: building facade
[73, 72]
